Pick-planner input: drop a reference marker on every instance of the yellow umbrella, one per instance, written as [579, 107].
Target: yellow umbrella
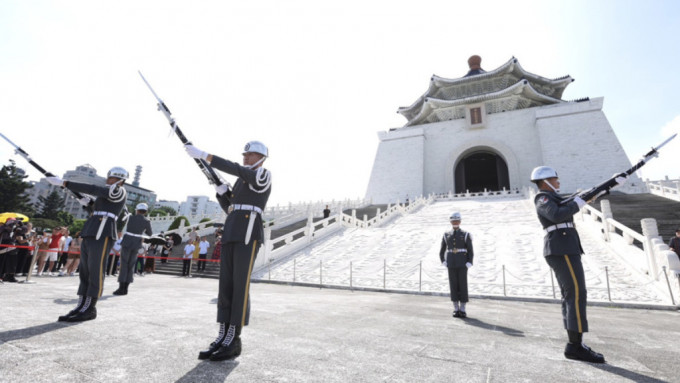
[5, 216]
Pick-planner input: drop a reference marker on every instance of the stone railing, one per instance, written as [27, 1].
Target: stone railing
[666, 188]
[486, 193]
[645, 252]
[277, 249]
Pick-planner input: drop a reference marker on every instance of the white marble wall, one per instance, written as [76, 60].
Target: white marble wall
[574, 138]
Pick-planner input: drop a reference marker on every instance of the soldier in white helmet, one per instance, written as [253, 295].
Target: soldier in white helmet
[456, 254]
[562, 251]
[99, 234]
[243, 235]
[138, 227]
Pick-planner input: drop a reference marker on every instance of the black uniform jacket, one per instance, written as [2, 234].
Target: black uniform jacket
[457, 248]
[137, 224]
[252, 187]
[103, 202]
[563, 241]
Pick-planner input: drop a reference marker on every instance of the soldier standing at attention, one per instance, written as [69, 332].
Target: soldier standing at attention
[130, 245]
[456, 255]
[99, 233]
[243, 234]
[562, 251]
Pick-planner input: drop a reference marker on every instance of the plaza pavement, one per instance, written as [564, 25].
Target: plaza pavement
[307, 334]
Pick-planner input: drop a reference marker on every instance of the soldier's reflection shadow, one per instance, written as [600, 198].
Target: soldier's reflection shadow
[493, 327]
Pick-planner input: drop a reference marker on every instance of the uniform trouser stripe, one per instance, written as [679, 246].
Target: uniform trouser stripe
[101, 266]
[576, 293]
[250, 269]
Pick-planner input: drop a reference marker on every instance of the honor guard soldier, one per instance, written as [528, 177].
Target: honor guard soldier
[137, 226]
[99, 233]
[243, 235]
[456, 255]
[562, 251]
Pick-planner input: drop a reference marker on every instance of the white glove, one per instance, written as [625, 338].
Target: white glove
[445, 264]
[620, 181]
[56, 181]
[580, 202]
[195, 152]
[222, 188]
[84, 201]
[468, 265]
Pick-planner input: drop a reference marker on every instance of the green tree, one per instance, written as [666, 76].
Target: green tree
[171, 212]
[13, 189]
[175, 224]
[76, 226]
[51, 205]
[65, 218]
[157, 212]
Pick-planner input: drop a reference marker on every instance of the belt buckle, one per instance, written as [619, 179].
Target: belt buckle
[230, 209]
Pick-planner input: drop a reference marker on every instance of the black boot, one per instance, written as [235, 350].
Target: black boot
[121, 289]
[64, 318]
[230, 346]
[577, 350]
[87, 312]
[214, 346]
[126, 287]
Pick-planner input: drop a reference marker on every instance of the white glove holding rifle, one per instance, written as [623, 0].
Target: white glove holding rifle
[195, 152]
[620, 180]
[54, 180]
[85, 200]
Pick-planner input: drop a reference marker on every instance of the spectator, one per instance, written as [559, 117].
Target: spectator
[43, 244]
[167, 249]
[63, 256]
[52, 250]
[24, 254]
[193, 236]
[150, 264]
[203, 247]
[326, 212]
[188, 255]
[73, 256]
[218, 246]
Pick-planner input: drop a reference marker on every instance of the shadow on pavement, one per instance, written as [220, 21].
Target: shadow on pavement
[493, 327]
[24, 333]
[208, 371]
[633, 376]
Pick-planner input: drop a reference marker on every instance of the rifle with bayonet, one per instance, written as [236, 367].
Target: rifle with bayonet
[81, 198]
[209, 172]
[606, 186]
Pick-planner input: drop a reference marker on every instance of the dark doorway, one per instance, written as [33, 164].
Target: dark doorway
[481, 170]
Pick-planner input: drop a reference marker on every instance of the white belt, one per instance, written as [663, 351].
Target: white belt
[136, 235]
[558, 226]
[458, 251]
[251, 220]
[105, 215]
[246, 207]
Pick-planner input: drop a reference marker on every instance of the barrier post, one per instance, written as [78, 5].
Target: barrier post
[504, 292]
[670, 291]
[606, 273]
[384, 274]
[294, 266]
[320, 273]
[30, 269]
[350, 275]
[420, 277]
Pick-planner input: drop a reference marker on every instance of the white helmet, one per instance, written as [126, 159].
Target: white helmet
[256, 147]
[118, 172]
[455, 216]
[142, 206]
[542, 173]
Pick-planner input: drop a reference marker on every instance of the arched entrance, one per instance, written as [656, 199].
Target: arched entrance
[479, 170]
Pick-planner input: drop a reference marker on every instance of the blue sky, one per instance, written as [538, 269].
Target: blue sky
[314, 81]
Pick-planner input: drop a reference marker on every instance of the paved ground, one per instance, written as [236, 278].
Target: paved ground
[304, 334]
